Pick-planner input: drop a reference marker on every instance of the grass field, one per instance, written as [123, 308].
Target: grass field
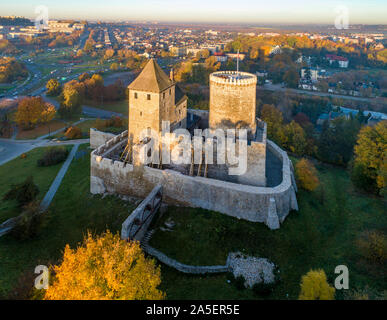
[116, 106]
[40, 130]
[86, 125]
[321, 235]
[73, 212]
[16, 171]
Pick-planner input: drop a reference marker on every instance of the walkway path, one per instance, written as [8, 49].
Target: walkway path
[11, 149]
[58, 180]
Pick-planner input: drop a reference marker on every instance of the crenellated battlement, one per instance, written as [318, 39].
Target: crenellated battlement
[233, 78]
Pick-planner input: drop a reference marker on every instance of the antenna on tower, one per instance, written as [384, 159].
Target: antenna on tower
[238, 63]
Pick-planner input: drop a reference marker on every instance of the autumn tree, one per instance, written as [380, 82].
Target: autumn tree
[105, 268]
[291, 78]
[53, 87]
[114, 66]
[274, 120]
[48, 113]
[89, 46]
[370, 158]
[71, 99]
[109, 53]
[83, 77]
[314, 286]
[307, 175]
[73, 133]
[212, 64]
[32, 111]
[295, 139]
[337, 139]
[11, 69]
[203, 54]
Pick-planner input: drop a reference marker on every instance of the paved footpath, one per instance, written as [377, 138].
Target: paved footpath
[58, 180]
[11, 149]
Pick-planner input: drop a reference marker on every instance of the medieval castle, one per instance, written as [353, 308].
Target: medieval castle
[264, 192]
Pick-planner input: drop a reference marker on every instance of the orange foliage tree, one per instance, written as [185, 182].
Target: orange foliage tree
[105, 268]
[307, 175]
[73, 133]
[32, 111]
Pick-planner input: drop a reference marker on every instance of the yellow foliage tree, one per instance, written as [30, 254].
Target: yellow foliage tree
[29, 112]
[371, 154]
[314, 286]
[105, 268]
[307, 175]
[274, 120]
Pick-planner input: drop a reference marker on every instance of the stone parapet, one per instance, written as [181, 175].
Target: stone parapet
[233, 78]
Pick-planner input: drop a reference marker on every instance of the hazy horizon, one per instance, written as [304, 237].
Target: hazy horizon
[225, 11]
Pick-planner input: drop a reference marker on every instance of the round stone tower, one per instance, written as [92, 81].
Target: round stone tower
[233, 101]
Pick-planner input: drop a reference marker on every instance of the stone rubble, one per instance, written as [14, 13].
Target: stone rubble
[251, 268]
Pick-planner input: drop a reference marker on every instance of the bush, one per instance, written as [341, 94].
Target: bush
[372, 246]
[307, 175]
[314, 286]
[53, 156]
[23, 193]
[100, 124]
[362, 180]
[73, 133]
[114, 122]
[29, 223]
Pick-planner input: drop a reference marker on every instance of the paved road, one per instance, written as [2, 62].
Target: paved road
[274, 87]
[58, 180]
[11, 149]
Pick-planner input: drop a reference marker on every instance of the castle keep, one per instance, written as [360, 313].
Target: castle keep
[233, 101]
[265, 192]
[153, 98]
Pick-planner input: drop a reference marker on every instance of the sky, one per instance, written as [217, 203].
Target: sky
[217, 11]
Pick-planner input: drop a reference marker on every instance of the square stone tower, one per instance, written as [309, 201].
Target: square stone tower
[153, 98]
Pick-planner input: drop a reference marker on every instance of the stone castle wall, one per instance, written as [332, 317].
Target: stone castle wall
[241, 201]
[98, 138]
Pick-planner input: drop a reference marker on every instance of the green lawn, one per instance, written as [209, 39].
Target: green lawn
[116, 106]
[16, 171]
[73, 212]
[321, 235]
